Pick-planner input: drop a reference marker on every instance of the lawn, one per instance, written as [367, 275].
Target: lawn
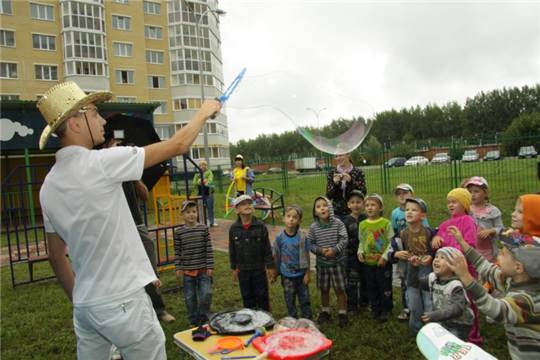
[37, 322]
[36, 319]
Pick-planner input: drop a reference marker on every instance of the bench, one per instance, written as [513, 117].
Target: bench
[268, 200]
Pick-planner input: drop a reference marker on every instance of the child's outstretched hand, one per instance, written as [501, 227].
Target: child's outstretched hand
[360, 257]
[157, 283]
[436, 242]
[210, 272]
[425, 318]
[454, 231]
[179, 273]
[458, 264]
[426, 260]
[382, 262]
[328, 252]
[235, 275]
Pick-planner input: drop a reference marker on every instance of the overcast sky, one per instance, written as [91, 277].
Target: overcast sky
[360, 57]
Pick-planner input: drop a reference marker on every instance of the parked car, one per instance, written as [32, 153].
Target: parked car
[493, 155]
[527, 151]
[274, 170]
[440, 158]
[417, 160]
[470, 155]
[396, 161]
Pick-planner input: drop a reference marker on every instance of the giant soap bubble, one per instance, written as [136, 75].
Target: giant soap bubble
[307, 104]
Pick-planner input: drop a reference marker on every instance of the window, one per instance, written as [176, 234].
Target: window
[85, 68]
[7, 38]
[156, 82]
[46, 72]
[5, 7]
[82, 15]
[9, 97]
[151, 8]
[8, 70]
[154, 57]
[161, 109]
[214, 152]
[126, 99]
[43, 42]
[212, 128]
[123, 49]
[153, 32]
[164, 132]
[84, 44]
[125, 76]
[186, 104]
[121, 1]
[121, 22]
[41, 12]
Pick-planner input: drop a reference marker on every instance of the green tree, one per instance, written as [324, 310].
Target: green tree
[524, 131]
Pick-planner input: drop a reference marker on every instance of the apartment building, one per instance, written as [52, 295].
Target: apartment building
[142, 51]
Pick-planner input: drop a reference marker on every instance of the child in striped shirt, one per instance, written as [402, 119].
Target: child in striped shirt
[327, 237]
[194, 260]
[518, 276]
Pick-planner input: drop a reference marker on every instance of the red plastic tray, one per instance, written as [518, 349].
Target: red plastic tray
[292, 344]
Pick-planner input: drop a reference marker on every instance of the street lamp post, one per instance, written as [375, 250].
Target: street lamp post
[216, 13]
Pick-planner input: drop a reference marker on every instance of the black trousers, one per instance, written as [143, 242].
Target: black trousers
[379, 286]
[151, 290]
[357, 293]
[254, 289]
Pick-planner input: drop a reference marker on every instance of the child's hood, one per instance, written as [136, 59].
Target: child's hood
[531, 211]
[330, 207]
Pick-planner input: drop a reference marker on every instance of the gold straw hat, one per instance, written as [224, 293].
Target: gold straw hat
[61, 102]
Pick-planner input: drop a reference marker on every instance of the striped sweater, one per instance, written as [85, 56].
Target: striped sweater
[519, 310]
[332, 235]
[193, 248]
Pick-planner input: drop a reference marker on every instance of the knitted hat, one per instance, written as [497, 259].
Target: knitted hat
[463, 196]
[447, 251]
[531, 211]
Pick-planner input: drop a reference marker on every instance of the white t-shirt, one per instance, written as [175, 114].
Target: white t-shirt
[83, 202]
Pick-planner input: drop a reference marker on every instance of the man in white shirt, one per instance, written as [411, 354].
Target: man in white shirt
[84, 208]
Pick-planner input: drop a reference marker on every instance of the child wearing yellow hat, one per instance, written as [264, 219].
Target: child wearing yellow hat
[459, 206]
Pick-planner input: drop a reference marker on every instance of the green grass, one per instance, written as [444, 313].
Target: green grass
[37, 322]
[507, 178]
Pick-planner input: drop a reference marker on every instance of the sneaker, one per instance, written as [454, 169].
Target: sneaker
[324, 317]
[403, 315]
[166, 317]
[215, 224]
[343, 320]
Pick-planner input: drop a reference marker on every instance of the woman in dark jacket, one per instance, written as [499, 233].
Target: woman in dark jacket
[341, 180]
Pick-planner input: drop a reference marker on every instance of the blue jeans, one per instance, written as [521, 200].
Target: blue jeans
[198, 297]
[419, 302]
[293, 287]
[209, 203]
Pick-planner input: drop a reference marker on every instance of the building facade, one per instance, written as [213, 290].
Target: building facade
[142, 51]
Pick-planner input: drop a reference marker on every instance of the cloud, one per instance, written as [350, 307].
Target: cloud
[388, 54]
[10, 128]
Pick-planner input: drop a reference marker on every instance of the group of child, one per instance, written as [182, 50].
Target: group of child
[441, 271]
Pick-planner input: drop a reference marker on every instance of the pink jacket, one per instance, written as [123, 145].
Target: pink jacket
[466, 224]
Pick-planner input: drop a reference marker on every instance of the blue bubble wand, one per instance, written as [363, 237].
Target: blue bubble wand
[223, 98]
